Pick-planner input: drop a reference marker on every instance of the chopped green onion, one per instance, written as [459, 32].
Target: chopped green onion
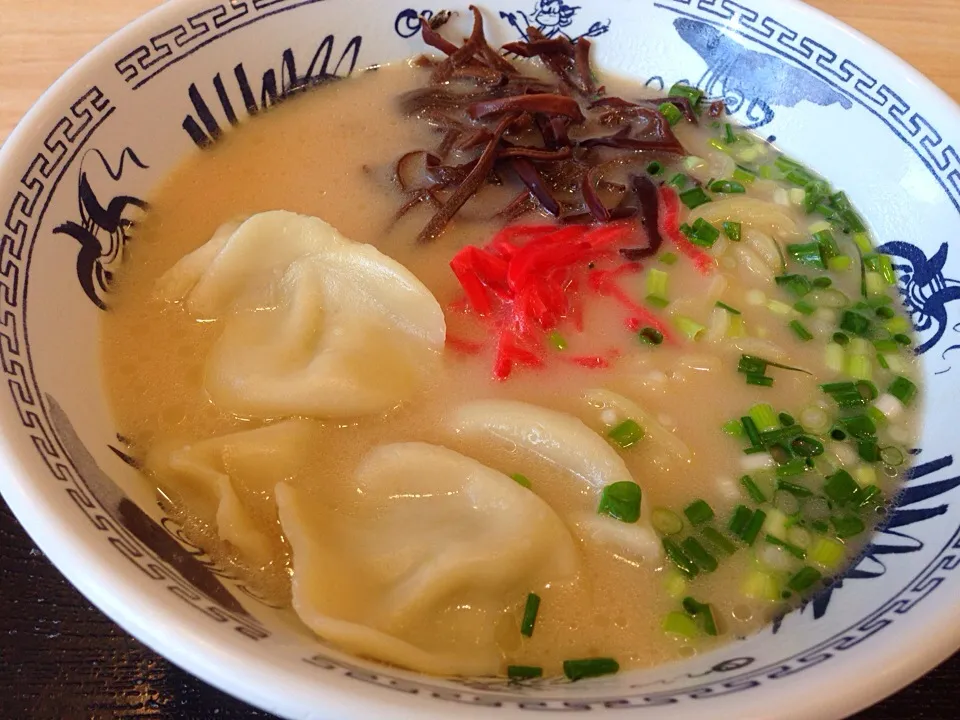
[860, 426]
[841, 339]
[530, 615]
[854, 323]
[764, 417]
[903, 390]
[750, 532]
[797, 284]
[699, 554]
[885, 312]
[750, 427]
[796, 490]
[840, 487]
[524, 672]
[589, 667]
[753, 490]
[733, 427]
[733, 230]
[828, 244]
[679, 558]
[626, 434]
[867, 495]
[744, 175]
[691, 328]
[694, 95]
[666, 522]
[761, 586]
[806, 446]
[657, 301]
[698, 512]
[703, 233]
[803, 307]
[679, 181]
[891, 456]
[840, 263]
[621, 501]
[902, 339]
[740, 519]
[671, 112]
[724, 306]
[655, 168]
[668, 258]
[520, 479]
[657, 282]
[716, 539]
[810, 254]
[868, 449]
[792, 468]
[679, 623]
[557, 341]
[827, 553]
[786, 419]
[728, 135]
[651, 336]
[804, 579]
[797, 552]
[847, 526]
[694, 198]
[800, 331]
[761, 380]
[728, 187]
[704, 612]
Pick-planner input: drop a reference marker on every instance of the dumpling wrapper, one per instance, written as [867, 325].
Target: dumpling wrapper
[418, 569]
[314, 324]
[569, 445]
[229, 480]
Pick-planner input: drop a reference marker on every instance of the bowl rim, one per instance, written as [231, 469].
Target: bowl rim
[234, 669]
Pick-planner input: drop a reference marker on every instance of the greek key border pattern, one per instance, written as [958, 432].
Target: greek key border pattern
[20, 228]
[911, 126]
[148, 60]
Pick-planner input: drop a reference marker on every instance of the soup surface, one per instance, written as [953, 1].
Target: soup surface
[361, 487]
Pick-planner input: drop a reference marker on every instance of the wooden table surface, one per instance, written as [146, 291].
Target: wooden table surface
[59, 658]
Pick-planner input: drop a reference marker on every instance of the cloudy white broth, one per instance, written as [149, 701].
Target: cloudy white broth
[484, 369]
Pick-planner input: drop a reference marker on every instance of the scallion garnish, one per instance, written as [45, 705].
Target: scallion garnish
[724, 306]
[650, 336]
[760, 380]
[679, 558]
[733, 230]
[840, 487]
[797, 284]
[753, 434]
[521, 479]
[847, 526]
[589, 667]
[804, 579]
[679, 181]
[810, 254]
[903, 390]
[694, 95]
[739, 520]
[671, 112]
[753, 526]
[794, 489]
[666, 522]
[855, 323]
[657, 301]
[797, 552]
[715, 538]
[621, 501]
[753, 490]
[626, 434]
[699, 554]
[764, 417]
[805, 308]
[694, 198]
[791, 467]
[530, 615]
[698, 512]
[728, 187]
[806, 446]
[800, 331]
[703, 612]
[680, 623]
[691, 328]
[702, 233]
[729, 136]
[655, 168]
[524, 672]
[668, 258]
[557, 341]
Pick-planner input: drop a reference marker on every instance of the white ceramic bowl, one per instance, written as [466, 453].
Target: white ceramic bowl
[118, 121]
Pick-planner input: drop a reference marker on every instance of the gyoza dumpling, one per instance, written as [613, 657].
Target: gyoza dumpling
[229, 480]
[313, 324]
[420, 563]
[566, 443]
